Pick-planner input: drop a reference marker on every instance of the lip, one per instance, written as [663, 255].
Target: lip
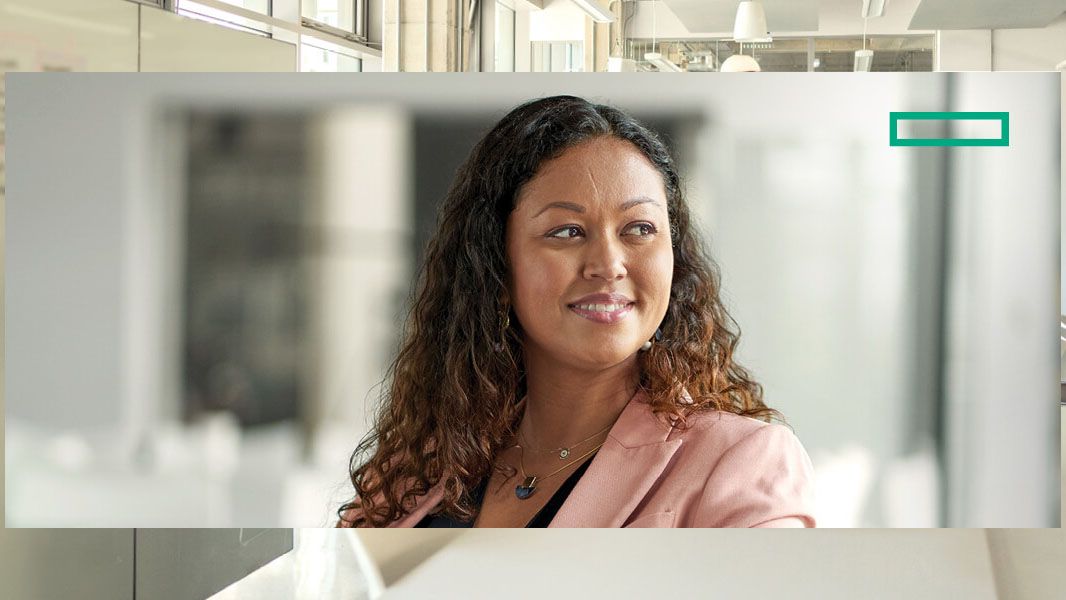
[602, 298]
[603, 317]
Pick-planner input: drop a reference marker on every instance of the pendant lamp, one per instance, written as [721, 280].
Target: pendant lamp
[740, 63]
[750, 25]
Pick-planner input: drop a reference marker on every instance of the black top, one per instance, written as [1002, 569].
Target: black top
[543, 517]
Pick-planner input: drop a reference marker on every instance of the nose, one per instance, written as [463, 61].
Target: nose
[605, 259]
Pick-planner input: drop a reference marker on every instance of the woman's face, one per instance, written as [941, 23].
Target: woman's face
[590, 254]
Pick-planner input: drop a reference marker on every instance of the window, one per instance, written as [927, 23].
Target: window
[504, 51]
[316, 58]
[218, 16]
[342, 17]
[259, 6]
[329, 33]
[558, 57]
[891, 53]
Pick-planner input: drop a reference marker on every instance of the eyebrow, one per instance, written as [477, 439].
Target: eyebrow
[628, 204]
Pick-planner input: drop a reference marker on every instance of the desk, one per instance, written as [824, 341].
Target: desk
[919, 564]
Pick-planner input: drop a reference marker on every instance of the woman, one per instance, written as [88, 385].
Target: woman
[567, 360]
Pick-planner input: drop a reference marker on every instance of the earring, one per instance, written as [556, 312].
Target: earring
[658, 337]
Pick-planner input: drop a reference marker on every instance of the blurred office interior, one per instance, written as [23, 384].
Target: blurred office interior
[206, 281]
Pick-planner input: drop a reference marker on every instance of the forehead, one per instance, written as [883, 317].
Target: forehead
[605, 168]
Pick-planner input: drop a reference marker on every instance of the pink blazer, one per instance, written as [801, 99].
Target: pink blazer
[723, 471]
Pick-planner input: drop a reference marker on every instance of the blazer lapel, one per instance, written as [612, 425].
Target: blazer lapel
[632, 458]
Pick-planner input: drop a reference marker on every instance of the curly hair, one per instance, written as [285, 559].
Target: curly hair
[453, 392]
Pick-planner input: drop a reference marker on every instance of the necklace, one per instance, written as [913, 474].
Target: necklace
[563, 451]
[529, 482]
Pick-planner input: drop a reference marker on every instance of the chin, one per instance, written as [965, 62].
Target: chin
[600, 357]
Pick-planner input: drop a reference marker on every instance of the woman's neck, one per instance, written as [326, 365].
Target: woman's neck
[565, 406]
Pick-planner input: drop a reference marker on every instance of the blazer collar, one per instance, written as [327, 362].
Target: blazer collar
[632, 458]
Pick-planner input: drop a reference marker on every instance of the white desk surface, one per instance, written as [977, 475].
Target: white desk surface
[915, 564]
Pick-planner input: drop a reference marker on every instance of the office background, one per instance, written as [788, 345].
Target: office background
[206, 276]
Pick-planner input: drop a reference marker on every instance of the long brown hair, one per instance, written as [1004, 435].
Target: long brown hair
[452, 393]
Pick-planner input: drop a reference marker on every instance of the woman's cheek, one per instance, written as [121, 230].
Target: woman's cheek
[659, 275]
[535, 287]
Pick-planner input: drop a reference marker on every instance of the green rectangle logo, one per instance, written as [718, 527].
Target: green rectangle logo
[895, 117]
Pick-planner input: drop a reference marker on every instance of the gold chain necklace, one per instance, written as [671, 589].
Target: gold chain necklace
[563, 451]
[529, 482]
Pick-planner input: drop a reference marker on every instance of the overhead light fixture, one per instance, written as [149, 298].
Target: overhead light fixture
[863, 60]
[661, 62]
[656, 58]
[740, 63]
[873, 8]
[617, 64]
[594, 9]
[750, 25]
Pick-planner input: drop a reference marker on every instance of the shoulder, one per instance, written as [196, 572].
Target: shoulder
[725, 431]
[755, 473]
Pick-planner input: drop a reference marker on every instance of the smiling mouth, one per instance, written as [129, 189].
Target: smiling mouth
[603, 313]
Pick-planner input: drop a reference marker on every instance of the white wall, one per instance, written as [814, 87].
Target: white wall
[522, 48]
[655, 19]
[1029, 49]
[73, 35]
[559, 21]
[1038, 49]
[963, 50]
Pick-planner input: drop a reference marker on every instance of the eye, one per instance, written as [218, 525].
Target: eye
[641, 229]
[565, 233]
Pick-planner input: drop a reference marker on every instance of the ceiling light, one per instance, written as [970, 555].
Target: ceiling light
[863, 60]
[740, 63]
[595, 10]
[660, 62]
[873, 8]
[750, 25]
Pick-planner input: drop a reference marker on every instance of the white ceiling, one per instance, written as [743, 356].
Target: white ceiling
[985, 14]
[718, 15]
[803, 15]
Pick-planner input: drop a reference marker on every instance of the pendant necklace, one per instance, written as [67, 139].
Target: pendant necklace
[529, 482]
[564, 452]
